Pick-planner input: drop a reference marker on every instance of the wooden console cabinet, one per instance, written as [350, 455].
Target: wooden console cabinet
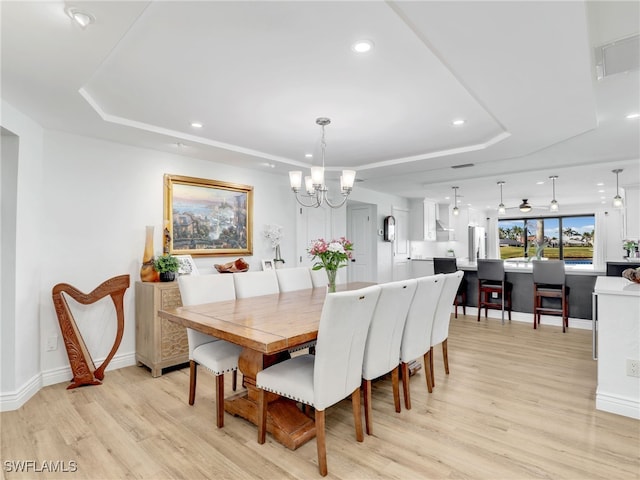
[159, 342]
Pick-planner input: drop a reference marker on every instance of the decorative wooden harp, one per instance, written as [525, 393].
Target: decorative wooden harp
[82, 366]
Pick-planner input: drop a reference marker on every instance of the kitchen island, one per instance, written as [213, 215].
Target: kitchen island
[581, 279]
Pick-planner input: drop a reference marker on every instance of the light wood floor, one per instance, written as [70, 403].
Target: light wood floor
[518, 404]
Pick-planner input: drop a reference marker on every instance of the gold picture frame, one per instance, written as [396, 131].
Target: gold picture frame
[207, 217]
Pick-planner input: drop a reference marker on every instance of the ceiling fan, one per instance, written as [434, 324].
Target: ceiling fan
[526, 207]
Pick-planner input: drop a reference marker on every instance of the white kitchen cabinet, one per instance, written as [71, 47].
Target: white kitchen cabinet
[423, 219]
[617, 345]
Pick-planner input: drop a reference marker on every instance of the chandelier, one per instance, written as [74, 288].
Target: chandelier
[316, 190]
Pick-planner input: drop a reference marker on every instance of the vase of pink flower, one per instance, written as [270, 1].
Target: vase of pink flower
[331, 256]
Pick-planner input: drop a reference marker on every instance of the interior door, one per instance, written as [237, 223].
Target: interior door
[401, 248]
[360, 232]
[313, 223]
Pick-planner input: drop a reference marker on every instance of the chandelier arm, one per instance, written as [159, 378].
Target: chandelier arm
[335, 205]
[314, 204]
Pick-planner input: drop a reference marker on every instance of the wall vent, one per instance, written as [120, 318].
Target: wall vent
[618, 57]
[463, 165]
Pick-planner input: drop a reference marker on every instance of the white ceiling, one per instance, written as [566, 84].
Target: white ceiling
[257, 74]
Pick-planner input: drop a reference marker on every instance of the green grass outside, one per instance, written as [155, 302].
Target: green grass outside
[570, 253]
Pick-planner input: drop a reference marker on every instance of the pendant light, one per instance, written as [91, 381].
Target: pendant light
[501, 207]
[617, 200]
[554, 203]
[456, 211]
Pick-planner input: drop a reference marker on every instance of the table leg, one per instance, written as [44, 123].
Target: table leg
[285, 421]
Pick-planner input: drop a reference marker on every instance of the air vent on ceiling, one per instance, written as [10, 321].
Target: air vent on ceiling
[618, 57]
[463, 165]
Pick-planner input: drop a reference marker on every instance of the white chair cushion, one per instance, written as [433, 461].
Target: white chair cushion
[218, 357]
[292, 379]
[416, 337]
[198, 289]
[291, 279]
[382, 350]
[442, 316]
[254, 284]
[335, 371]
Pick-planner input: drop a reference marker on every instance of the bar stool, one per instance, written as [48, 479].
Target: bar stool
[449, 265]
[491, 279]
[549, 282]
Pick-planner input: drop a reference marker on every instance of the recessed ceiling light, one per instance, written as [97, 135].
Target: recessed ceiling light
[599, 184]
[196, 124]
[633, 115]
[458, 122]
[81, 18]
[362, 46]
[269, 165]
[540, 183]
[601, 191]
[308, 155]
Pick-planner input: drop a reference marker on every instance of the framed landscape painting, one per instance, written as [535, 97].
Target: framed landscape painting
[208, 217]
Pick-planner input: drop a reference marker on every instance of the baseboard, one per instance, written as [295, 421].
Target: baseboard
[627, 407]
[579, 323]
[14, 400]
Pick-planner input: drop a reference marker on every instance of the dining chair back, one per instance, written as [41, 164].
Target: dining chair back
[382, 348]
[296, 278]
[416, 336]
[254, 284]
[442, 318]
[549, 281]
[450, 265]
[217, 356]
[333, 373]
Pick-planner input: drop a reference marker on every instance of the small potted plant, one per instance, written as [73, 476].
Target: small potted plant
[167, 266]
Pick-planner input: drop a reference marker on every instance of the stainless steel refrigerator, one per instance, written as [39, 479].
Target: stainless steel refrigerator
[477, 243]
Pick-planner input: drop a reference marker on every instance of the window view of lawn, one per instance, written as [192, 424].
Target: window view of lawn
[524, 239]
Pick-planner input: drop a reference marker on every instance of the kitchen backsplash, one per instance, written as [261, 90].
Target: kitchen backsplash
[421, 250]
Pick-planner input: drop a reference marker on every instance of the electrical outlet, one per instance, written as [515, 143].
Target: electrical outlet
[633, 368]
[494, 295]
[52, 343]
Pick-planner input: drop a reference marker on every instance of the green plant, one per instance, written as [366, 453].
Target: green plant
[166, 263]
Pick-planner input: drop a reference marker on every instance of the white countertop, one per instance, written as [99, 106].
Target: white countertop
[527, 267]
[617, 286]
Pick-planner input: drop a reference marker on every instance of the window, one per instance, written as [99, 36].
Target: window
[567, 238]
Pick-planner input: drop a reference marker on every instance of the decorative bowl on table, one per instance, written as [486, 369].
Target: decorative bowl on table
[632, 274]
[238, 265]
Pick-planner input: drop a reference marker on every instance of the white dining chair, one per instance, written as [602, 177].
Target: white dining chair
[382, 348]
[333, 373]
[416, 337]
[217, 356]
[292, 279]
[254, 284]
[442, 318]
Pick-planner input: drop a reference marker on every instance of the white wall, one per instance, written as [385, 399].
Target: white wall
[21, 335]
[99, 198]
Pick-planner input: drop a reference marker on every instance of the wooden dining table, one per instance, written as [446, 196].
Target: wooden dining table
[266, 327]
